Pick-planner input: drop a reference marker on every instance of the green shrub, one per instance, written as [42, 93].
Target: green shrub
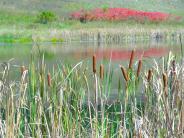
[46, 17]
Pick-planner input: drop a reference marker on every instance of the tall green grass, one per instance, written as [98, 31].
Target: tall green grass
[74, 101]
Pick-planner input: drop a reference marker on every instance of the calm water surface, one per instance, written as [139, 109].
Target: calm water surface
[72, 53]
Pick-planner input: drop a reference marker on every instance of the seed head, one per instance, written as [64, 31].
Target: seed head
[149, 75]
[125, 75]
[49, 79]
[131, 58]
[101, 71]
[94, 64]
[165, 80]
[22, 69]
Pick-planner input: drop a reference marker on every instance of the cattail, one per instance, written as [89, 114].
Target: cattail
[94, 64]
[101, 71]
[131, 59]
[22, 69]
[125, 75]
[149, 75]
[164, 80]
[173, 67]
[49, 79]
[139, 68]
[64, 71]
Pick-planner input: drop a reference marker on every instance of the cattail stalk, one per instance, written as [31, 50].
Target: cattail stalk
[149, 75]
[49, 79]
[94, 64]
[131, 59]
[139, 68]
[101, 71]
[125, 75]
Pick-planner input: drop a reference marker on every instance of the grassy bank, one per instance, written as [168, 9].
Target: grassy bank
[76, 31]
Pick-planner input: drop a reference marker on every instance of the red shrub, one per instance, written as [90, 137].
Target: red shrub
[116, 14]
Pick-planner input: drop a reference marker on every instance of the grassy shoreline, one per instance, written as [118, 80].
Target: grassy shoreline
[75, 31]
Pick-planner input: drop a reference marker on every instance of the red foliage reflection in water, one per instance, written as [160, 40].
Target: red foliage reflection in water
[125, 54]
[120, 54]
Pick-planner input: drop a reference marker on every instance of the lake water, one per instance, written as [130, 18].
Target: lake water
[77, 51]
[110, 54]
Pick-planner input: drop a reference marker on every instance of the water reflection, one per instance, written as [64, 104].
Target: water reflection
[120, 54]
[79, 51]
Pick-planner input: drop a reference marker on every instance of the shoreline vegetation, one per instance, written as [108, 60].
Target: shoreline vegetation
[113, 34]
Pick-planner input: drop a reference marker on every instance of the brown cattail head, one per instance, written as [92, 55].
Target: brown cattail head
[49, 79]
[64, 71]
[165, 80]
[125, 75]
[22, 69]
[131, 59]
[173, 67]
[101, 71]
[149, 75]
[139, 67]
[94, 64]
